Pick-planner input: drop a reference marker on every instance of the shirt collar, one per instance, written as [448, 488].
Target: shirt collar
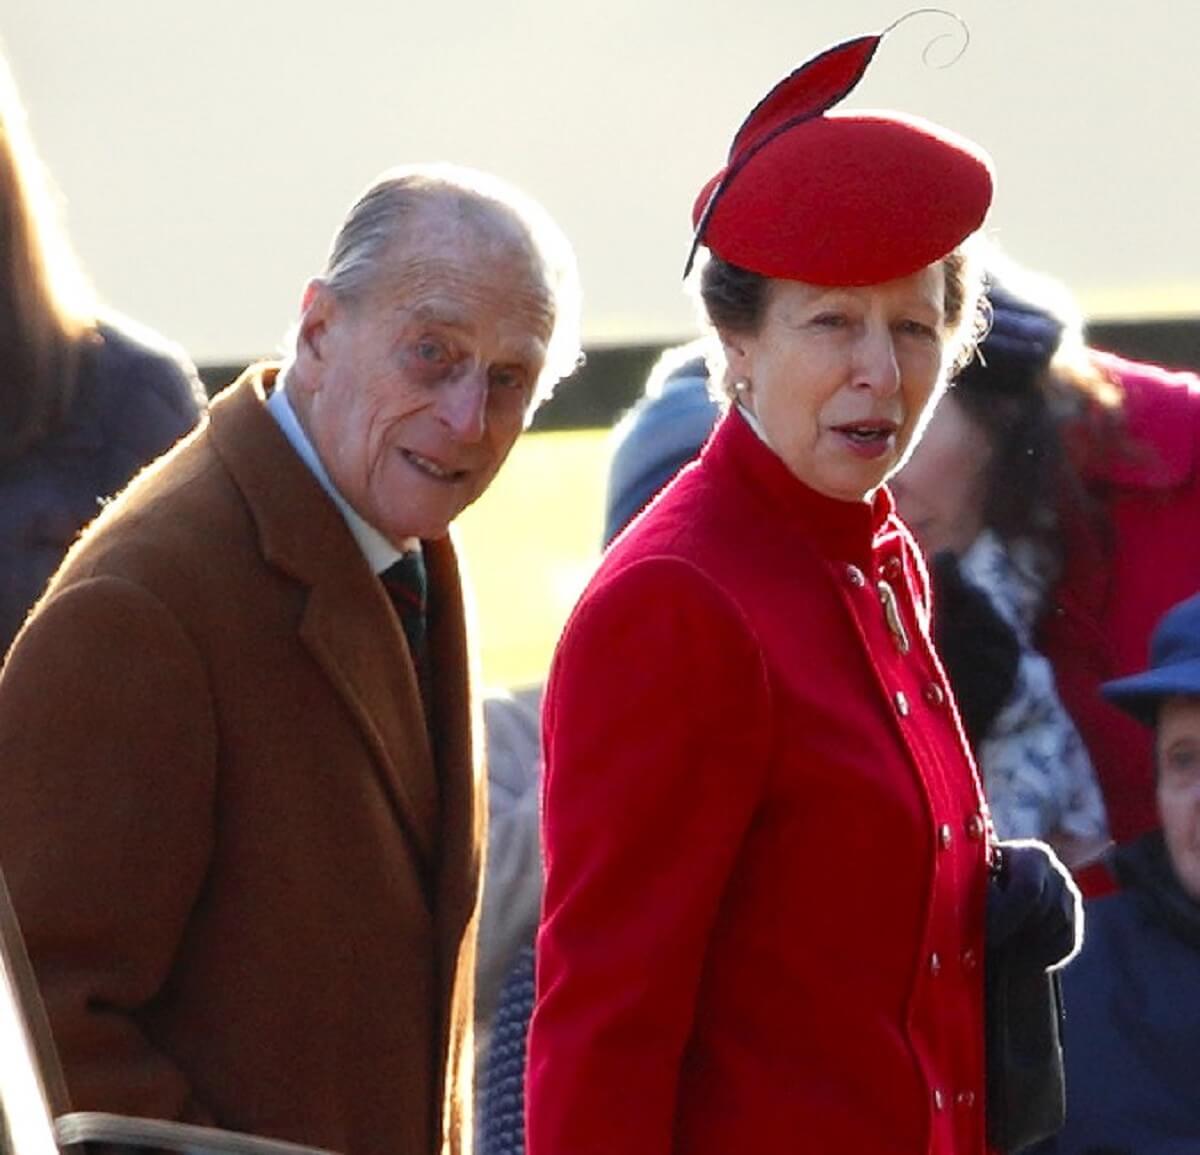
[379, 552]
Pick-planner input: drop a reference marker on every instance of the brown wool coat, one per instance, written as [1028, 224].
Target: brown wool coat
[247, 883]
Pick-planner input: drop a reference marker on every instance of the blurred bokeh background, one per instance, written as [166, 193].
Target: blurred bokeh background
[206, 152]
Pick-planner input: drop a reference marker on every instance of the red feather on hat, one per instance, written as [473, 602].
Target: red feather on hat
[841, 198]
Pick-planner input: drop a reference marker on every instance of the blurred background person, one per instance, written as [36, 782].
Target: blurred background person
[512, 882]
[752, 757]
[86, 398]
[982, 493]
[1132, 997]
[1086, 471]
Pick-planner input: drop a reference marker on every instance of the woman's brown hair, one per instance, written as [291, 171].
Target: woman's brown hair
[46, 312]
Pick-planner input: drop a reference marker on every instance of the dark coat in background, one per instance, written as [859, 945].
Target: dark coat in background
[1132, 1034]
[246, 874]
[134, 398]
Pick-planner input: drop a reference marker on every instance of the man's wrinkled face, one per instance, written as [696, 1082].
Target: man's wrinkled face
[414, 392]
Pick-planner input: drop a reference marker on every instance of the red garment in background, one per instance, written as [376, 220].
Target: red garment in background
[1113, 591]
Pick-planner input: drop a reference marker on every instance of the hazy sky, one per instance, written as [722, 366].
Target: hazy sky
[207, 151]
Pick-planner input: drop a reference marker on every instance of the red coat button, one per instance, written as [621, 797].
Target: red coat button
[934, 694]
[975, 827]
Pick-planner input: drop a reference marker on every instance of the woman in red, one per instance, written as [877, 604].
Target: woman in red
[767, 851]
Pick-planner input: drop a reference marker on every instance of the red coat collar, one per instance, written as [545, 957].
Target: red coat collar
[841, 530]
[1159, 412]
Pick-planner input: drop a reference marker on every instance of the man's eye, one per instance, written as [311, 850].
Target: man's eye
[508, 377]
[1183, 762]
[431, 351]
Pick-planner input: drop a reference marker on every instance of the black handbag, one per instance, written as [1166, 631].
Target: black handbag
[1026, 1091]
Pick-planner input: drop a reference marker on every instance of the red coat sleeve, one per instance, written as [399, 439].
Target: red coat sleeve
[656, 732]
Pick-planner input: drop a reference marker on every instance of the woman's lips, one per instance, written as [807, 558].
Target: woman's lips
[867, 439]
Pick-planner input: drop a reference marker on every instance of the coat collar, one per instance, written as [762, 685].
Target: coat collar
[840, 530]
[347, 624]
[1158, 413]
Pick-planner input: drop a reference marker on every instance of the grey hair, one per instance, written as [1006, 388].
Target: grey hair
[399, 195]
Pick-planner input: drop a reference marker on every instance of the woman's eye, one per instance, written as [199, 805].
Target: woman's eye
[831, 320]
[918, 329]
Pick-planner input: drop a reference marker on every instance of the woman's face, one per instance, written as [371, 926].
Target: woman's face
[1177, 740]
[841, 379]
[940, 492]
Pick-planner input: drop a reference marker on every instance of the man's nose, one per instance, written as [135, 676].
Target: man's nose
[462, 404]
[877, 367]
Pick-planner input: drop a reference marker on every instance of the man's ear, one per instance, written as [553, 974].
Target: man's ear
[317, 306]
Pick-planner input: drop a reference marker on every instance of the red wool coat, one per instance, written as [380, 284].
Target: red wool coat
[1112, 592]
[766, 845]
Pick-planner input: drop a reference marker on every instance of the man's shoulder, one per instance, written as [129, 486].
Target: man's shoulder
[186, 510]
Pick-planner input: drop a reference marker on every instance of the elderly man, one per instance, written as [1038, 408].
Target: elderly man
[242, 813]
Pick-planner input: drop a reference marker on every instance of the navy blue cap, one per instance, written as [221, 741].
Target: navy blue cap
[1174, 665]
[1020, 330]
[659, 437]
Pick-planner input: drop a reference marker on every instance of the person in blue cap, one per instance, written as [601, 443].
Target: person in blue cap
[1132, 997]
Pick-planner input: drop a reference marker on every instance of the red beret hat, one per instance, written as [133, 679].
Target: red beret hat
[838, 198]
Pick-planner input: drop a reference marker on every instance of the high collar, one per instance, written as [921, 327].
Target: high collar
[840, 530]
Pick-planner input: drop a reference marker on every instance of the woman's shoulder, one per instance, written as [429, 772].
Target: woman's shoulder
[134, 365]
[137, 395]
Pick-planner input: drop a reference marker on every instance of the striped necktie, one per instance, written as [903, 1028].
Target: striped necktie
[406, 585]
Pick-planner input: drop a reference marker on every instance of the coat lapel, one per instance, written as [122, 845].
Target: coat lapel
[348, 625]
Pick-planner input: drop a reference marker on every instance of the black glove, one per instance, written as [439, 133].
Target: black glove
[977, 646]
[1034, 912]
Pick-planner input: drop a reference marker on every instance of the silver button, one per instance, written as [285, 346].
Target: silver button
[939, 1100]
[945, 835]
[935, 964]
[855, 576]
[901, 703]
